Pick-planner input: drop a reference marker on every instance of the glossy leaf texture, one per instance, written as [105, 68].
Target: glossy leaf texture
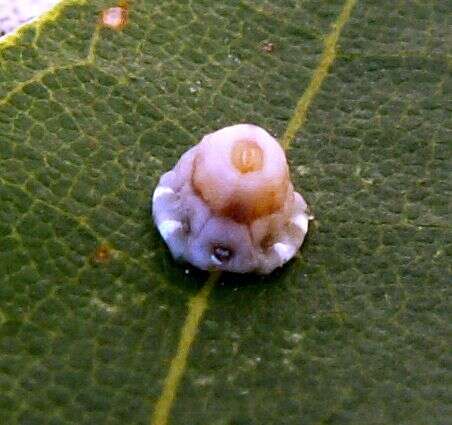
[352, 331]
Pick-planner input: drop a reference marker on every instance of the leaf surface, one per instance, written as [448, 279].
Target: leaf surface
[91, 304]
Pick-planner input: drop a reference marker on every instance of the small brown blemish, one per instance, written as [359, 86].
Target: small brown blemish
[101, 255]
[243, 211]
[268, 47]
[115, 17]
[247, 156]
[267, 242]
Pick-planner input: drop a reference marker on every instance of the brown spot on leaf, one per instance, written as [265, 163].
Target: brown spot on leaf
[268, 47]
[115, 17]
[101, 255]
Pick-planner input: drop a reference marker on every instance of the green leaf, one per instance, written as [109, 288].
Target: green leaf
[99, 325]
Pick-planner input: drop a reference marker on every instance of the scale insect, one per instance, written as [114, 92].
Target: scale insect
[229, 204]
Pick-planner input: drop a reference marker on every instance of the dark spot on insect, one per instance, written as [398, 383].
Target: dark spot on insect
[186, 223]
[186, 227]
[267, 241]
[222, 253]
[268, 47]
[101, 255]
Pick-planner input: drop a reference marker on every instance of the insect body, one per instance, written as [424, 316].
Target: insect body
[228, 204]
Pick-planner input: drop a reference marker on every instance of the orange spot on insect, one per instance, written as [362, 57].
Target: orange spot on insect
[115, 17]
[247, 156]
[101, 255]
